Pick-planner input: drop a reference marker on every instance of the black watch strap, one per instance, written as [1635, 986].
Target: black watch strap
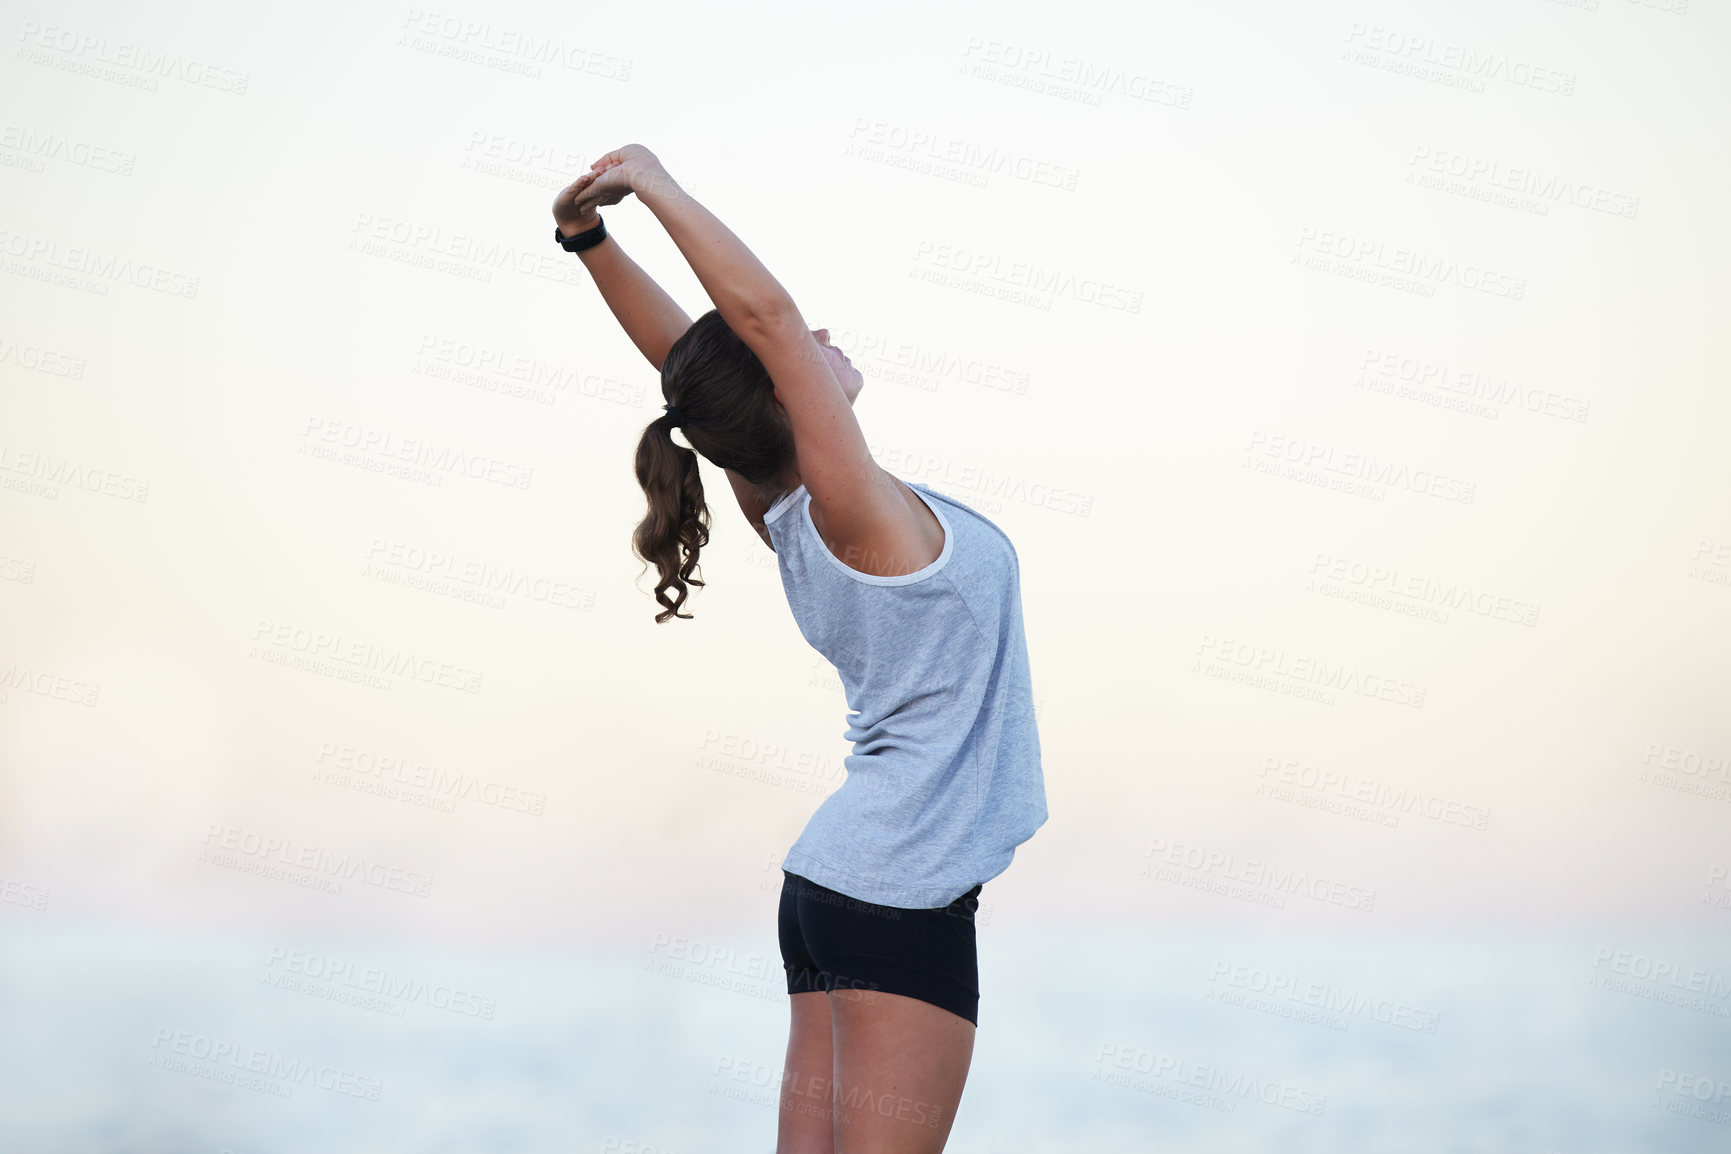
[582, 240]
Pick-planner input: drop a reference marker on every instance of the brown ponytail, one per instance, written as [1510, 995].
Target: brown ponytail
[729, 413]
[677, 525]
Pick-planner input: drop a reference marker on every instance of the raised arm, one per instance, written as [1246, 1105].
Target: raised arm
[833, 459]
[652, 319]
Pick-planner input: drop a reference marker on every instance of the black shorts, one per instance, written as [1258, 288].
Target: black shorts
[831, 941]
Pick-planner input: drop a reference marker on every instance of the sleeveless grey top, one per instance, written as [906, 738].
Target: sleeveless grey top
[944, 781]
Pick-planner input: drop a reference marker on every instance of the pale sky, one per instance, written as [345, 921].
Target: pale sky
[1113, 280]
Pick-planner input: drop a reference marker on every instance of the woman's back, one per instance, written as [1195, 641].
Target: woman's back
[945, 779]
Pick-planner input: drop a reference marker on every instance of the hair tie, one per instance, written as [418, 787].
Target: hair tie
[677, 418]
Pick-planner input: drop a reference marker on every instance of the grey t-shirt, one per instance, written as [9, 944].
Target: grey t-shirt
[944, 781]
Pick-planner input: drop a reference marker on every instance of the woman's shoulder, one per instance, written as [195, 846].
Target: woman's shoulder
[783, 503]
[969, 513]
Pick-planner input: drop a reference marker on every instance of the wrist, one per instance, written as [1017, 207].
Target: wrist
[655, 183]
[589, 250]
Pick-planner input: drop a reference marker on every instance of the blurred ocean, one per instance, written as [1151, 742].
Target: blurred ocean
[1091, 1039]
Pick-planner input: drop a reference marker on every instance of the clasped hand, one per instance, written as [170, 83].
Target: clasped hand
[609, 180]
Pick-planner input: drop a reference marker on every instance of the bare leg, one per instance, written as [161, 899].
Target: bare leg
[807, 1123]
[900, 1065]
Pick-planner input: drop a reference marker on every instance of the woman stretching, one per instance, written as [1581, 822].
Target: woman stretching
[916, 600]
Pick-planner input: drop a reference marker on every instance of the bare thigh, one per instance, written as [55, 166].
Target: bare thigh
[807, 1123]
[900, 1065]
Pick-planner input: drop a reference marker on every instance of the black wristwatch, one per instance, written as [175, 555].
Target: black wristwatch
[582, 240]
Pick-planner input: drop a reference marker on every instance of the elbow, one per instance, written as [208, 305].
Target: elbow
[765, 317]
